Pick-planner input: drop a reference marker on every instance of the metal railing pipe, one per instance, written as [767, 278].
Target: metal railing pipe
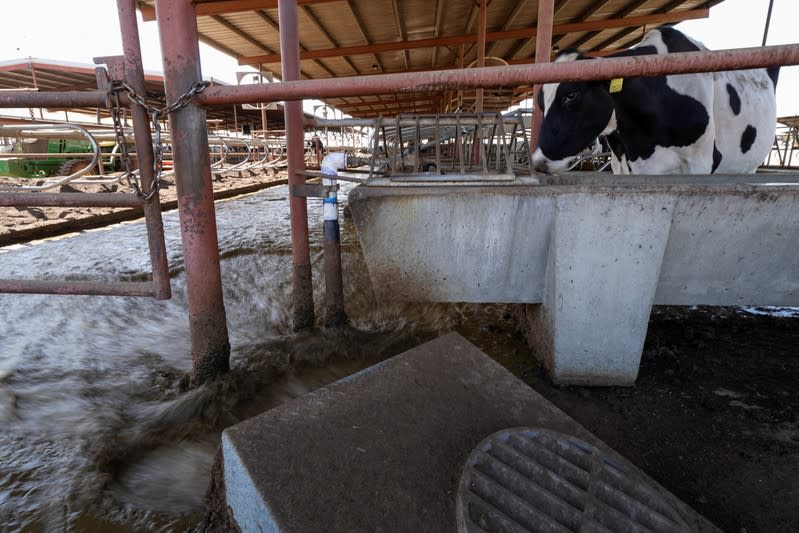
[94, 288]
[506, 76]
[60, 99]
[69, 199]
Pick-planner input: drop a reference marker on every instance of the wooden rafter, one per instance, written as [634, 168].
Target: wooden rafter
[630, 8]
[622, 34]
[268, 20]
[509, 21]
[522, 33]
[323, 31]
[221, 7]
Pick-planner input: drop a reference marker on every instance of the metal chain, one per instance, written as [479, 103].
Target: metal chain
[155, 115]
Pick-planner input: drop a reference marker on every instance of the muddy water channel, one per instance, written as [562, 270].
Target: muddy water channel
[98, 432]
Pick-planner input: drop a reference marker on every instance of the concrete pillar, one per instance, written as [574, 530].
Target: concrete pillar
[603, 266]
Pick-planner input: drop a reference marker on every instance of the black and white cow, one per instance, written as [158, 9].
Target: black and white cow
[678, 124]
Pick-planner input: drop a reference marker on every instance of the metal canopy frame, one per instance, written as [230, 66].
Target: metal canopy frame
[345, 38]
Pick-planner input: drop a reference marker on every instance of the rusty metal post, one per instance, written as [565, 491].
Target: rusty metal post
[481, 51]
[543, 51]
[177, 26]
[134, 75]
[300, 249]
[510, 76]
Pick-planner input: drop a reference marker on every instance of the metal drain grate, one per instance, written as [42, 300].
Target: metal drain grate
[527, 479]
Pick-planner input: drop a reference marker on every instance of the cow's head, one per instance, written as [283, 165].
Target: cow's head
[575, 114]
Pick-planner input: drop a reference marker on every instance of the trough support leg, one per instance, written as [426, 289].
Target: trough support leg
[603, 267]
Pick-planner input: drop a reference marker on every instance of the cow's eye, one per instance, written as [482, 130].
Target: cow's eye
[569, 98]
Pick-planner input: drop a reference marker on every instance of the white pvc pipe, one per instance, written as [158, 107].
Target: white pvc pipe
[331, 163]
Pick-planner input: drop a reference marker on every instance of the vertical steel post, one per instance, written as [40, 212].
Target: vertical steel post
[300, 249]
[134, 75]
[768, 22]
[177, 26]
[481, 51]
[543, 50]
[334, 285]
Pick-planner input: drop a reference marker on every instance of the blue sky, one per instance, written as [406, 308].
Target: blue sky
[53, 29]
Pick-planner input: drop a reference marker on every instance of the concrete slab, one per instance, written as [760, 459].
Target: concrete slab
[384, 449]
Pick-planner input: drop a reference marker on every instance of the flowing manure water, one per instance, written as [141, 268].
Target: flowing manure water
[98, 432]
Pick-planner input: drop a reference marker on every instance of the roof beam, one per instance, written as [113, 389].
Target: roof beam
[619, 14]
[322, 30]
[359, 21]
[220, 7]
[559, 5]
[400, 25]
[620, 35]
[437, 24]
[392, 111]
[520, 6]
[381, 101]
[274, 25]
[585, 15]
[522, 33]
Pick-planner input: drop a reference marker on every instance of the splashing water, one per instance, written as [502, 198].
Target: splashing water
[98, 432]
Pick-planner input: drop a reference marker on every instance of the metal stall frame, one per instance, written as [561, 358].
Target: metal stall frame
[131, 71]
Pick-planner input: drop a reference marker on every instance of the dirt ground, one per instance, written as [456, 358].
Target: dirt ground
[714, 414]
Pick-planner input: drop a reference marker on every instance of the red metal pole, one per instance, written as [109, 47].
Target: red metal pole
[543, 51]
[69, 199]
[300, 252]
[177, 26]
[510, 76]
[481, 51]
[62, 100]
[134, 74]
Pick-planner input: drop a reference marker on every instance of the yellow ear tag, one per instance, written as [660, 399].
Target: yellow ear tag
[615, 85]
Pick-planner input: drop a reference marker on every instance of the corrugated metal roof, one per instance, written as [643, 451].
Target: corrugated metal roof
[362, 37]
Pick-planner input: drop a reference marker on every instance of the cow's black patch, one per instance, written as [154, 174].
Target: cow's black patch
[716, 158]
[676, 41]
[735, 100]
[649, 113]
[614, 143]
[774, 74]
[748, 138]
